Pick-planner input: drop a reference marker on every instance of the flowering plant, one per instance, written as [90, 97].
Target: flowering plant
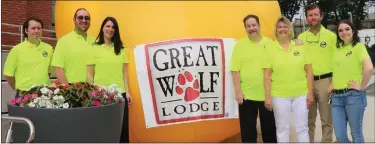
[57, 95]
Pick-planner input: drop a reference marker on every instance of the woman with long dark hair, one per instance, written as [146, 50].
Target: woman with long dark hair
[352, 69]
[109, 65]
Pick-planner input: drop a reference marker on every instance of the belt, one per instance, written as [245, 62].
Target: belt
[341, 91]
[323, 76]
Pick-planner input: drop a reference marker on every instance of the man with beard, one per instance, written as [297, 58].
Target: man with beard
[246, 67]
[320, 44]
[72, 49]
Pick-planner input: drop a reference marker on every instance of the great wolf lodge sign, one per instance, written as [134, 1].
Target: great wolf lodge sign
[185, 80]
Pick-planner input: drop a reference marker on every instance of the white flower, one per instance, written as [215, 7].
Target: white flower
[56, 91]
[111, 89]
[49, 104]
[44, 90]
[65, 105]
[36, 100]
[44, 97]
[55, 98]
[119, 95]
[42, 103]
[50, 92]
[61, 98]
[118, 90]
[31, 104]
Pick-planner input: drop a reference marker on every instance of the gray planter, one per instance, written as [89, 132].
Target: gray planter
[93, 124]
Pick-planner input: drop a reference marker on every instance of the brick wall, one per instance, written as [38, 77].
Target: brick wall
[16, 12]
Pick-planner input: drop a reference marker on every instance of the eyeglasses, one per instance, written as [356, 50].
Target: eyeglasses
[80, 18]
[310, 38]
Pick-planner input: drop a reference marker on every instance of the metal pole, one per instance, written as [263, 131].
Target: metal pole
[351, 17]
[303, 20]
[9, 134]
[20, 120]
[21, 33]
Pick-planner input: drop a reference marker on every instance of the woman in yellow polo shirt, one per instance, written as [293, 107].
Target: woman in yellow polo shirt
[352, 69]
[109, 65]
[289, 80]
[247, 72]
[28, 63]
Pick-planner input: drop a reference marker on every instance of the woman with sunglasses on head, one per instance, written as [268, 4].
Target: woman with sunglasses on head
[108, 65]
[352, 69]
[289, 80]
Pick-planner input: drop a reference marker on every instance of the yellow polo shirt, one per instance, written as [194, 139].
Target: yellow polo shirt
[320, 47]
[108, 66]
[246, 59]
[29, 64]
[288, 70]
[347, 64]
[71, 54]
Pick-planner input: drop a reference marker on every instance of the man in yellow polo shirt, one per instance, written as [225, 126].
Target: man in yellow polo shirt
[28, 63]
[71, 52]
[247, 72]
[320, 43]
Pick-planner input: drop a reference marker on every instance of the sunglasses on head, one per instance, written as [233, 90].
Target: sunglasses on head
[83, 17]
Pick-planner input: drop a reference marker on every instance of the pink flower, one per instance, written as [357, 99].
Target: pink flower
[13, 101]
[18, 100]
[93, 93]
[96, 103]
[112, 94]
[35, 95]
[102, 90]
[110, 98]
[26, 97]
[57, 83]
[120, 100]
[21, 105]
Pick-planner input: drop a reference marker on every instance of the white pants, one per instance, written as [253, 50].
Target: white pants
[282, 108]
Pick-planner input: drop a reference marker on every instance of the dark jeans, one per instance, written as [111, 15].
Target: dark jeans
[248, 121]
[125, 123]
[17, 94]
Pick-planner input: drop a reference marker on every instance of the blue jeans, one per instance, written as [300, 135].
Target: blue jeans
[348, 107]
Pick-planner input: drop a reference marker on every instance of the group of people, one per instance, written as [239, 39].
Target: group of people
[320, 70]
[78, 57]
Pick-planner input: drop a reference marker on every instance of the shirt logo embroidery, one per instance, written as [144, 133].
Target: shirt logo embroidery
[323, 44]
[45, 54]
[349, 53]
[296, 53]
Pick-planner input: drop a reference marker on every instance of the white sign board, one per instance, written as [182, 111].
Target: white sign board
[186, 80]
[367, 36]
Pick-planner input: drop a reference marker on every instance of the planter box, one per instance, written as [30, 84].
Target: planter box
[100, 124]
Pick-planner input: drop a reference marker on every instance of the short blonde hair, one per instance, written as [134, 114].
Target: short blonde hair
[287, 22]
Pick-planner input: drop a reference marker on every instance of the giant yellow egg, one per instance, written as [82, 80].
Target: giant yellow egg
[144, 22]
